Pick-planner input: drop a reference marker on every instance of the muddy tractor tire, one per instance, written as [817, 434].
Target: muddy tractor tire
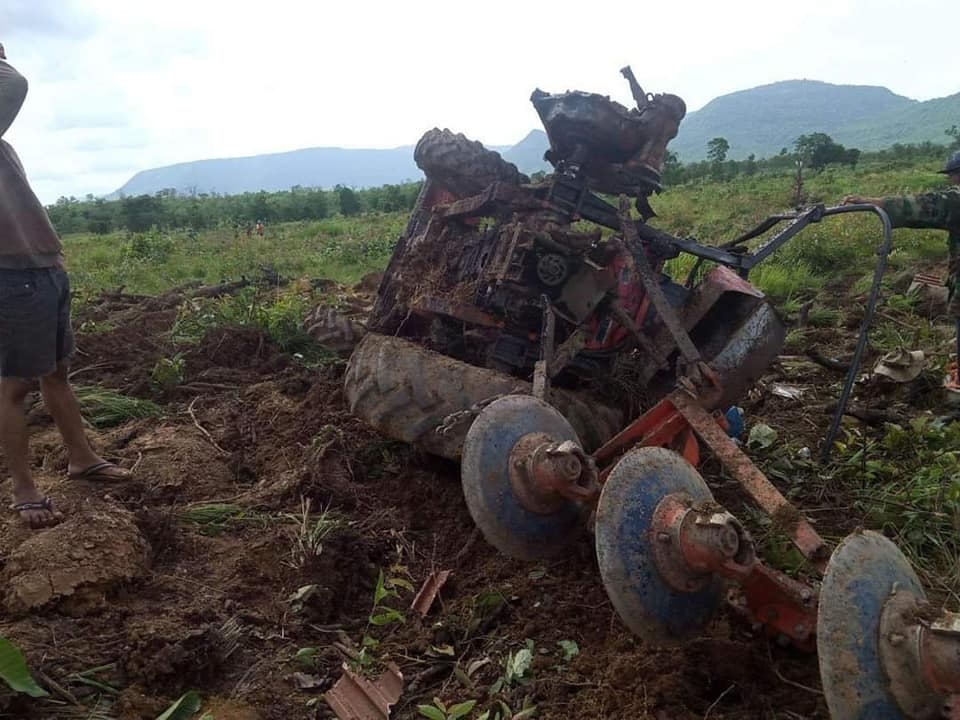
[406, 392]
[463, 167]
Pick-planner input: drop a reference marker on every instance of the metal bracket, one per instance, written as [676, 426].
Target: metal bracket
[660, 303]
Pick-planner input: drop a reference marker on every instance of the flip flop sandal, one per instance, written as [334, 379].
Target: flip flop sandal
[45, 504]
[99, 473]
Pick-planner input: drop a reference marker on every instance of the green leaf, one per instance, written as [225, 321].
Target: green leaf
[429, 711]
[521, 663]
[14, 672]
[525, 713]
[184, 708]
[304, 655]
[396, 582]
[761, 436]
[382, 592]
[387, 616]
[570, 649]
[460, 709]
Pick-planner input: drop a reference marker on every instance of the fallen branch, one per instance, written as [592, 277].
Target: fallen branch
[202, 429]
[871, 416]
[828, 363]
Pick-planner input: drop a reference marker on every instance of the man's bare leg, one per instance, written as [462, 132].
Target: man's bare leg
[14, 439]
[62, 404]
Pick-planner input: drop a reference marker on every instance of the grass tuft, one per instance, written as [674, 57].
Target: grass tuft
[105, 408]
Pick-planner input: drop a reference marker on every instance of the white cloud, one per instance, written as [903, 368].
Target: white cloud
[158, 83]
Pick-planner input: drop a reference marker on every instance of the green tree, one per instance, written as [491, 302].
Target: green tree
[349, 202]
[717, 150]
[672, 173]
[954, 134]
[818, 150]
[142, 212]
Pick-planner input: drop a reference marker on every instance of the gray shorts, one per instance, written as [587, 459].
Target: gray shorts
[35, 333]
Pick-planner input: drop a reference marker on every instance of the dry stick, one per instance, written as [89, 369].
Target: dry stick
[786, 680]
[471, 541]
[58, 689]
[202, 429]
[717, 701]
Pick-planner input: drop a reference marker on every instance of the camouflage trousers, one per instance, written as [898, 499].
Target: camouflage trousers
[953, 280]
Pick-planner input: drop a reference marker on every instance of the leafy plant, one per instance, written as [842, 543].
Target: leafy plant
[439, 711]
[168, 373]
[502, 711]
[312, 530]
[516, 667]
[569, 648]
[14, 672]
[279, 315]
[387, 588]
[184, 708]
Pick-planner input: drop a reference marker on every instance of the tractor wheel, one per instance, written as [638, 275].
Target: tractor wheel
[462, 166]
[406, 392]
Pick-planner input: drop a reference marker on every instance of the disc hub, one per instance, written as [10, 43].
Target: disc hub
[920, 653]
[546, 473]
[690, 543]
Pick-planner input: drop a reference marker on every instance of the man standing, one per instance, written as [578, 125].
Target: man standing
[938, 210]
[35, 336]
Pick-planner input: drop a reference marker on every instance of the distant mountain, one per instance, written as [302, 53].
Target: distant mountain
[527, 154]
[765, 119]
[313, 167]
[761, 121]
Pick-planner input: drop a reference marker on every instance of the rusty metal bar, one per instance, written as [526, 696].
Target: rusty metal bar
[753, 481]
[668, 316]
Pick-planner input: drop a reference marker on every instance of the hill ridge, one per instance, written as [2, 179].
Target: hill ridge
[759, 120]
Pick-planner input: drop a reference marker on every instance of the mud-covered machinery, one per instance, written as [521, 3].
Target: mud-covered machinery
[510, 306]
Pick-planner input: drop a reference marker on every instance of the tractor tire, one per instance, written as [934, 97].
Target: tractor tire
[406, 392]
[462, 166]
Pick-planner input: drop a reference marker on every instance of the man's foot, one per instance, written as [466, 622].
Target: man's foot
[38, 512]
[102, 471]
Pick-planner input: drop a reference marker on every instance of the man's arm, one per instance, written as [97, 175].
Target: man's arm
[13, 91]
[935, 210]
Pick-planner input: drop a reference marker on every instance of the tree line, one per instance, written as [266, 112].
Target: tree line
[815, 151]
[169, 209]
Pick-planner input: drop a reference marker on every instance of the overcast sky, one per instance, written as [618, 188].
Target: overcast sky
[118, 86]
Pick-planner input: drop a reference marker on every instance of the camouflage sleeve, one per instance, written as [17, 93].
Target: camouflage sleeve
[937, 210]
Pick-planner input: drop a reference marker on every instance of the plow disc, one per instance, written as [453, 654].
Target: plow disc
[626, 543]
[509, 521]
[865, 573]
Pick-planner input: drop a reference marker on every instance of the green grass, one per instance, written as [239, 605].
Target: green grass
[105, 408]
[339, 248]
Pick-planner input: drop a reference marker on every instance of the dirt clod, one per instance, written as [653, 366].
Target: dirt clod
[76, 565]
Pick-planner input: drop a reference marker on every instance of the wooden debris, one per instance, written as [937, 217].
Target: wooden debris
[428, 592]
[356, 698]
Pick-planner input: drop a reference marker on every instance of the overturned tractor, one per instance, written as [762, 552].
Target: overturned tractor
[529, 330]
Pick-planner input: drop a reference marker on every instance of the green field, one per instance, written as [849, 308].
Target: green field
[344, 248]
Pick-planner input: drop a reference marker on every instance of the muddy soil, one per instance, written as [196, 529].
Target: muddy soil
[136, 598]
